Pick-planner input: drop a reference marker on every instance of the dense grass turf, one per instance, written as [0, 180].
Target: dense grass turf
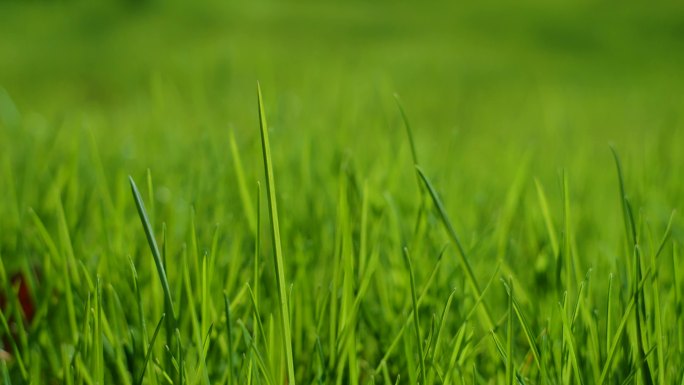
[509, 217]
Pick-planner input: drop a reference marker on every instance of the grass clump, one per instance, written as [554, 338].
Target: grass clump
[367, 338]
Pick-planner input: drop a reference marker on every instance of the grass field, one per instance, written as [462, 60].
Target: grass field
[442, 193]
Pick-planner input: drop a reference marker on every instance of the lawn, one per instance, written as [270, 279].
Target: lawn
[329, 192]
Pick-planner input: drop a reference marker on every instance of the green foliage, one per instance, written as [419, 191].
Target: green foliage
[510, 109]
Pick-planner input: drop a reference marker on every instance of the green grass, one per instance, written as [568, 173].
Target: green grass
[510, 219]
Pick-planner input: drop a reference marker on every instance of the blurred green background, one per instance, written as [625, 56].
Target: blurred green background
[486, 85]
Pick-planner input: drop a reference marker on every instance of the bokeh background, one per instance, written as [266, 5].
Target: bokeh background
[488, 86]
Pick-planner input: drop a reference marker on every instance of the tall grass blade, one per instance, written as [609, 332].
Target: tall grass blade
[229, 330]
[408, 320]
[546, 213]
[416, 323]
[98, 331]
[470, 275]
[660, 344]
[242, 184]
[455, 352]
[438, 338]
[621, 182]
[529, 335]
[409, 132]
[154, 248]
[15, 348]
[510, 368]
[612, 352]
[569, 339]
[150, 347]
[275, 234]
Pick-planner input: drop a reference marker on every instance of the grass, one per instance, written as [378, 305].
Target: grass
[359, 237]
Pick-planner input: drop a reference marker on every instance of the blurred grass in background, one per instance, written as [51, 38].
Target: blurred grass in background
[485, 84]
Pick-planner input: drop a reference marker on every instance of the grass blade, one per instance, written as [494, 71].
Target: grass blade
[660, 345]
[629, 228]
[154, 248]
[229, 330]
[544, 205]
[416, 323]
[397, 338]
[438, 337]
[409, 132]
[510, 368]
[620, 330]
[529, 335]
[470, 275]
[98, 331]
[150, 346]
[275, 234]
[13, 344]
[242, 184]
[570, 342]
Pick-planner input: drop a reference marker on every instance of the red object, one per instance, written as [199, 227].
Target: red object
[23, 296]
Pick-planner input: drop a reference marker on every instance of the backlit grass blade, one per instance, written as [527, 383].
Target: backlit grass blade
[275, 235]
[261, 362]
[191, 311]
[98, 355]
[510, 366]
[677, 297]
[640, 305]
[409, 132]
[500, 349]
[242, 184]
[621, 182]
[201, 373]
[569, 339]
[529, 335]
[546, 213]
[350, 322]
[660, 345]
[455, 352]
[507, 216]
[421, 218]
[258, 328]
[409, 318]
[229, 333]
[149, 233]
[591, 343]
[416, 323]
[150, 195]
[572, 267]
[66, 271]
[257, 253]
[204, 314]
[666, 236]
[150, 347]
[470, 275]
[181, 366]
[609, 317]
[632, 241]
[438, 338]
[620, 330]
